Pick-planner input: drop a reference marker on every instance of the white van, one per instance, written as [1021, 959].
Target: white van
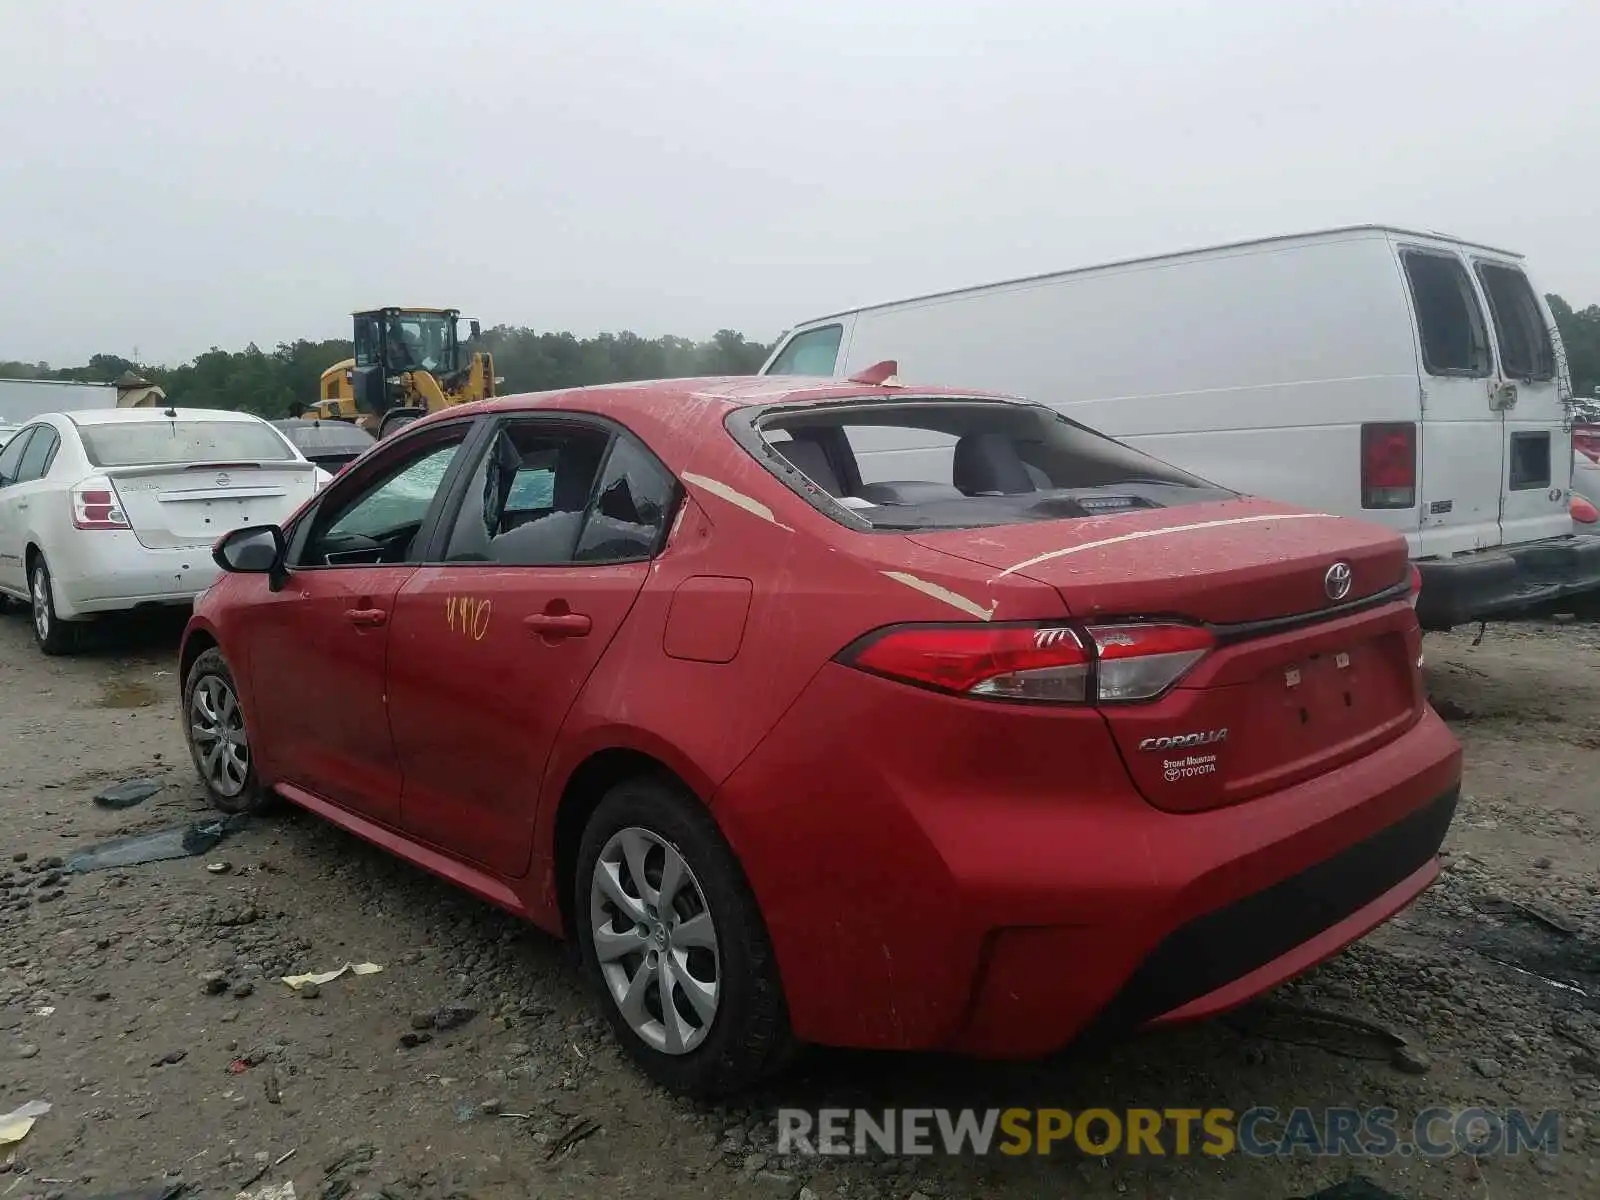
[1407, 378]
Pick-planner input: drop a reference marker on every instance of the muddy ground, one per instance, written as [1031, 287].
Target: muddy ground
[107, 1010]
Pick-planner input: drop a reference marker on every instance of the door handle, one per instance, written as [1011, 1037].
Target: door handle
[366, 618]
[22, 505]
[558, 625]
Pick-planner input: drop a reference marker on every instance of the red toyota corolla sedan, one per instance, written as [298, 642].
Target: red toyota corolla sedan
[975, 742]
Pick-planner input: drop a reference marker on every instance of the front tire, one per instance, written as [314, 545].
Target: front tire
[51, 634]
[218, 740]
[674, 944]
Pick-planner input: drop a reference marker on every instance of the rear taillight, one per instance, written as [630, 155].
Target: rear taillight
[1584, 512]
[1140, 661]
[1389, 465]
[95, 506]
[1053, 665]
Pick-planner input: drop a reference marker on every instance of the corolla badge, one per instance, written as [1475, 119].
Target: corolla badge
[1337, 581]
[1182, 741]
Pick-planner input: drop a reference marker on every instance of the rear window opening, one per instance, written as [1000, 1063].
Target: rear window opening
[154, 443]
[957, 464]
[1525, 349]
[1530, 461]
[1454, 338]
[334, 437]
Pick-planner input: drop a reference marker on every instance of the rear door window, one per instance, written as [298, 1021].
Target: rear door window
[11, 456]
[551, 493]
[1525, 349]
[632, 506]
[525, 503]
[149, 443]
[956, 464]
[41, 452]
[1455, 340]
[813, 352]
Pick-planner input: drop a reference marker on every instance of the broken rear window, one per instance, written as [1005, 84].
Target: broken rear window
[956, 464]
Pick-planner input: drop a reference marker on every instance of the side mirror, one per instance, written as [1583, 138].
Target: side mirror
[477, 332]
[253, 550]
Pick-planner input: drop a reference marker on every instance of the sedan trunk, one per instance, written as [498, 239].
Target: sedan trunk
[193, 504]
[1308, 664]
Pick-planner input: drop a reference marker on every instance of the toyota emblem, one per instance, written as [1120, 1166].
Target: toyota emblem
[1337, 581]
[224, 481]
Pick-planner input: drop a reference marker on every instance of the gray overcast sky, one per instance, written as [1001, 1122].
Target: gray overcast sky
[187, 173]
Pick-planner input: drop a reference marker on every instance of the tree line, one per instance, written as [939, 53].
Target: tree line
[269, 382]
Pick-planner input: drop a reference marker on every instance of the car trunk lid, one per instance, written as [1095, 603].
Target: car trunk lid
[173, 505]
[1220, 563]
[1316, 652]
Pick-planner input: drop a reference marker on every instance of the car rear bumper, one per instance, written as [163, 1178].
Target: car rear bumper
[114, 572]
[1504, 580]
[909, 913]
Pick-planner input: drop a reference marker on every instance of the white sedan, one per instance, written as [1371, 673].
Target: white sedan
[114, 509]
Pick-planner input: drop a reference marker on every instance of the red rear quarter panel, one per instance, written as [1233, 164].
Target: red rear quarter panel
[814, 587]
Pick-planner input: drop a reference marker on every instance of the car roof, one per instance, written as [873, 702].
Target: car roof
[111, 416]
[721, 392]
[672, 414]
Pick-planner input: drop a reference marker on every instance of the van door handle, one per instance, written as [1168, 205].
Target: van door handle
[558, 625]
[366, 618]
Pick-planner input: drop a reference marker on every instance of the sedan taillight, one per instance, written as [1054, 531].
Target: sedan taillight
[95, 506]
[1043, 664]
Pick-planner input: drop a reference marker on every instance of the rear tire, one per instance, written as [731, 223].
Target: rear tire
[218, 741]
[51, 634]
[705, 944]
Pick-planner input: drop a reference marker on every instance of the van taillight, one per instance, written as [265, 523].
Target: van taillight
[1389, 465]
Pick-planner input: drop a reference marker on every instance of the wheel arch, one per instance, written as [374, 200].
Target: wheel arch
[585, 786]
[197, 639]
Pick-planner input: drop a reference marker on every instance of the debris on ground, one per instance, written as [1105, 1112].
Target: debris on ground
[181, 841]
[444, 1020]
[128, 793]
[299, 982]
[14, 1125]
[219, 868]
[272, 1191]
[1323, 1029]
[579, 1130]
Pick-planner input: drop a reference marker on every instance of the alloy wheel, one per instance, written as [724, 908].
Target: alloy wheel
[39, 590]
[655, 940]
[216, 726]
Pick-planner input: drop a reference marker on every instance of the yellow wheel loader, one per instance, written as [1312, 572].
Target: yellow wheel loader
[408, 362]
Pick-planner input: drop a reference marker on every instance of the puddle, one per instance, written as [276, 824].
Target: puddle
[128, 693]
[180, 841]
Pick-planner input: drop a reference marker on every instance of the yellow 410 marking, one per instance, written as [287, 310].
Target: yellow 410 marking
[468, 616]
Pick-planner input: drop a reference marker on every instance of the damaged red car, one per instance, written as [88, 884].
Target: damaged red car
[844, 712]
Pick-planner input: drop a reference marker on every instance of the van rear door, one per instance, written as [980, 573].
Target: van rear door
[1456, 464]
[1537, 456]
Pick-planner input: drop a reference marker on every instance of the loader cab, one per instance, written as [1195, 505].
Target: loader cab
[391, 341]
